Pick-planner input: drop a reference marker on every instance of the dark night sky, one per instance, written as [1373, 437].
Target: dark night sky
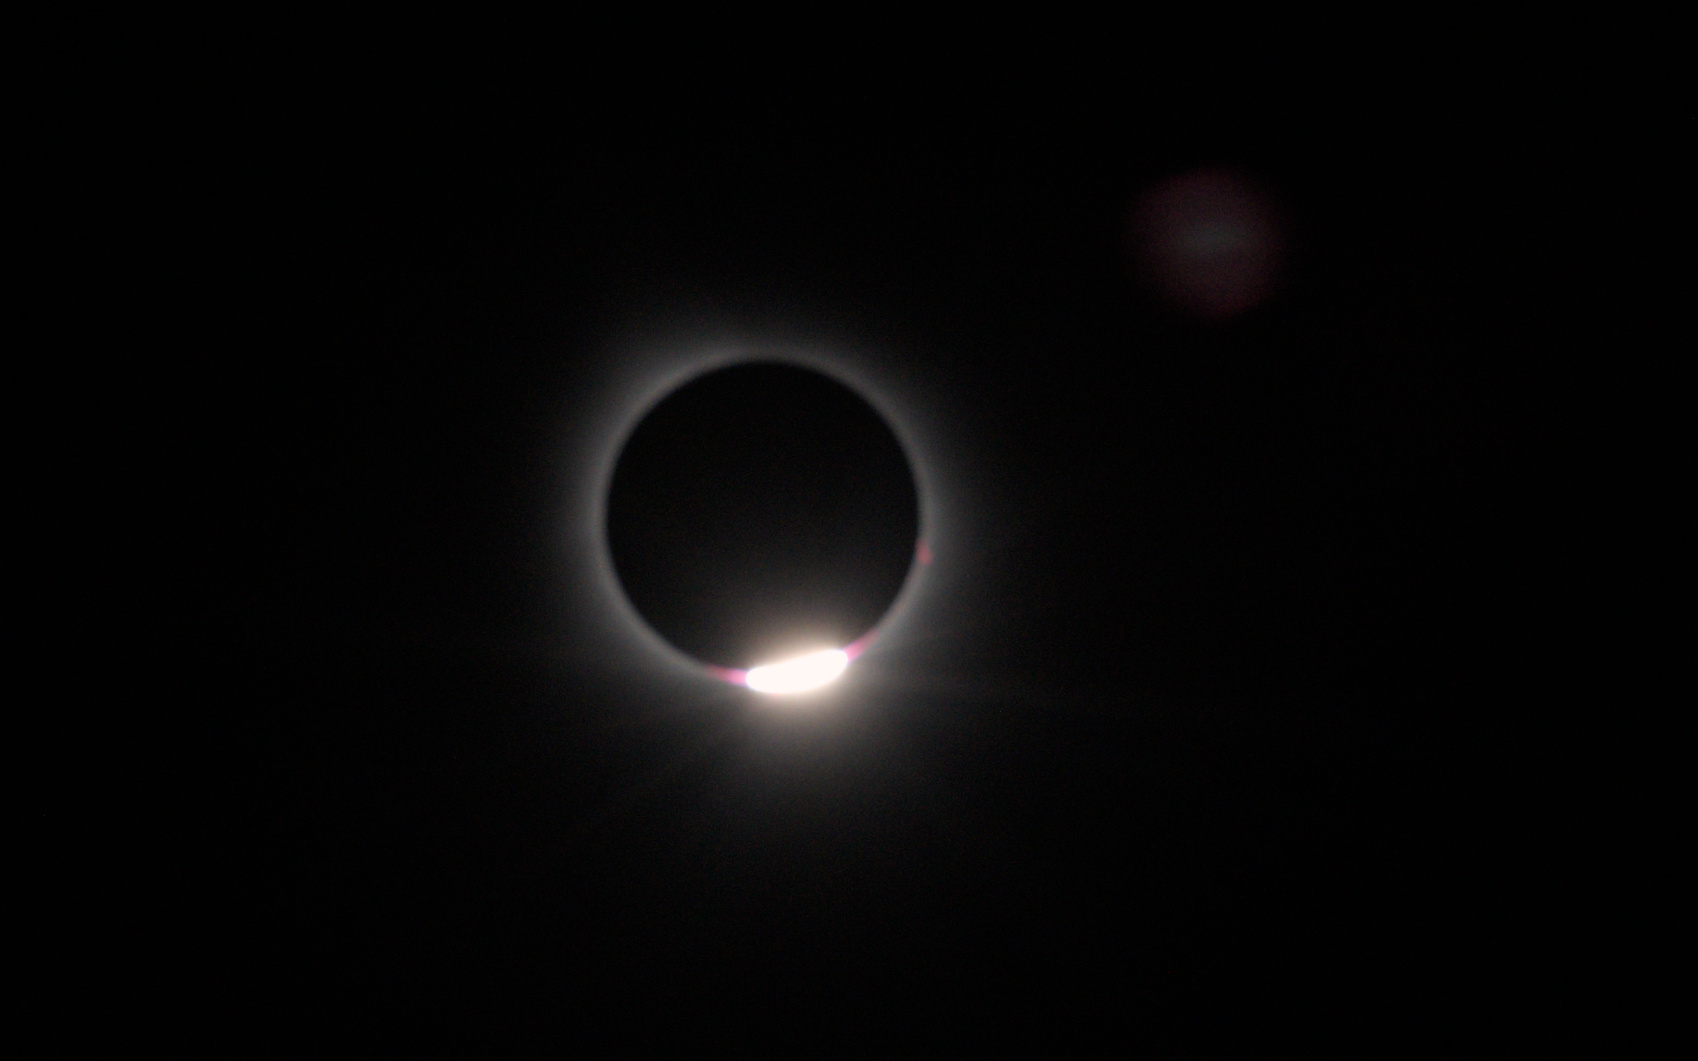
[1207, 714]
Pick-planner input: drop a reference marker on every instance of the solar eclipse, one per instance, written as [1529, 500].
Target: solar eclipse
[761, 519]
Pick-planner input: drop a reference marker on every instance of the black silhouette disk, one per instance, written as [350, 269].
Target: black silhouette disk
[760, 511]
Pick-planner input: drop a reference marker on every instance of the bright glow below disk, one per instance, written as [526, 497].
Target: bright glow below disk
[799, 674]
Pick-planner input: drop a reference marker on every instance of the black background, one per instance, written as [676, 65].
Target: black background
[1229, 724]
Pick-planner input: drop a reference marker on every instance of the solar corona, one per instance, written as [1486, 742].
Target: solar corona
[762, 519]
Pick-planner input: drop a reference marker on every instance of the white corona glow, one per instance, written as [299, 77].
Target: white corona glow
[799, 674]
[614, 390]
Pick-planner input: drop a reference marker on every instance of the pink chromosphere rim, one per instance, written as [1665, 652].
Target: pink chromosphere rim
[740, 676]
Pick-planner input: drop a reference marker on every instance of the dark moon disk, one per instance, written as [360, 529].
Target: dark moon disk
[761, 511]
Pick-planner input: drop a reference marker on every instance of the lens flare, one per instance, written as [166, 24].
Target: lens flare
[1211, 242]
[799, 674]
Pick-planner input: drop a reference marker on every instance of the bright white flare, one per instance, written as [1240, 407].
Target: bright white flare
[799, 674]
